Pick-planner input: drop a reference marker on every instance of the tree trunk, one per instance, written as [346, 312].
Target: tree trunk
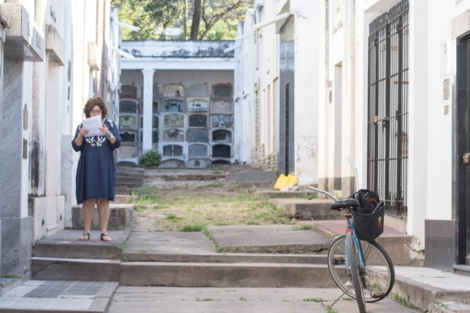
[196, 19]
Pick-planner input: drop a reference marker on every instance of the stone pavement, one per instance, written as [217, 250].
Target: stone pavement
[171, 262]
[50, 296]
[239, 300]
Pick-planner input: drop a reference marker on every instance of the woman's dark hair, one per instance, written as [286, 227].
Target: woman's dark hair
[96, 101]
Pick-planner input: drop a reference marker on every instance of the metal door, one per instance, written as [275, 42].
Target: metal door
[387, 146]
[461, 131]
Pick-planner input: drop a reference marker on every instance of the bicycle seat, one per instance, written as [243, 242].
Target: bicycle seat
[339, 205]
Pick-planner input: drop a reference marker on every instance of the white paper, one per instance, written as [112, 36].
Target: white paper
[93, 124]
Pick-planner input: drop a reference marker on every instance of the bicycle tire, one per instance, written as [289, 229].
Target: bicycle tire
[353, 261]
[378, 267]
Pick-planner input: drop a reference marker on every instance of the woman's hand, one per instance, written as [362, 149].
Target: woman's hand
[105, 129]
[83, 132]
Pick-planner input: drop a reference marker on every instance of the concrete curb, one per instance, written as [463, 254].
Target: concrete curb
[225, 275]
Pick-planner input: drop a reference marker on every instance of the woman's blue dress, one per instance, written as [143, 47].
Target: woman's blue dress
[96, 172]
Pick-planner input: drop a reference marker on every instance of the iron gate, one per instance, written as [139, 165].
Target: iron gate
[387, 146]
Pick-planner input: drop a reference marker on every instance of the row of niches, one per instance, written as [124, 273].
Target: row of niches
[180, 91]
[178, 135]
[172, 105]
[197, 150]
[179, 120]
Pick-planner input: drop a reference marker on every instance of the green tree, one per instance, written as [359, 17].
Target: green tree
[202, 19]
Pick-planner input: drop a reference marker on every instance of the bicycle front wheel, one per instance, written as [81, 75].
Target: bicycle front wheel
[354, 269]
[378, 273]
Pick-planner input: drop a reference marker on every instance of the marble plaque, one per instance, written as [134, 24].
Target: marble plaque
[128, 136]
[198, 120]
[128, 92]
[199, 90]
[197, 150]
[221, 121]
[198, 105]
[197, 163]
[127, 106]
[221, 106]
[222, 90]
[173, 90]
[172, 150]
[155, 122]
[173, 105]
[173, 120]
[173, 134]
[126, 152]
[221, 151]
[127, 122]
[222, 136]
[172, 164]
[198, 135]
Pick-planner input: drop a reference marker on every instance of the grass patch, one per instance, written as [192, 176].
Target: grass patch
[13, 276]
[308, 195]
[206, 232]
[122, 246]
[396, 297]
[173, 217]
[204, 299]
[302, 227]
[192, 228]
[242, 299]
[145, 198]
[313, 300]
[328, 309]
[210, 186]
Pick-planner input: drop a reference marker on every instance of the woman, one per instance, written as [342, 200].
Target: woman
[96, 172]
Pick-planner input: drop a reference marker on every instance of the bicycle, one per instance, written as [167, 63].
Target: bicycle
[358, 264]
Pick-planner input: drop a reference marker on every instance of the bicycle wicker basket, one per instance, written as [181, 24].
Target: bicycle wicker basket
[369, 226]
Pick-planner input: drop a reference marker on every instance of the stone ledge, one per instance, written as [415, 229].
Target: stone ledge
[305, 209]
[119, 218]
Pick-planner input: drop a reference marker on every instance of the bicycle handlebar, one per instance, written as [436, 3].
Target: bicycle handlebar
[322, 191]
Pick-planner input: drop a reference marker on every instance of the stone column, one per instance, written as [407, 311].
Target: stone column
[148, 110]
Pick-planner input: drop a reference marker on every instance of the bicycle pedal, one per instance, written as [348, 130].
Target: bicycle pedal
[338, 261]
[377, 295]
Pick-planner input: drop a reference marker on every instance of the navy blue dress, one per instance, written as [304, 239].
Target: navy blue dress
[96, 172]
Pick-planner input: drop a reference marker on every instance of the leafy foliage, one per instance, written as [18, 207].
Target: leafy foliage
[151, 158]
[217, 20]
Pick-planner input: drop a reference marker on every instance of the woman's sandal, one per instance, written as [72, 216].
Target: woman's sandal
[105, 237]
[85, 236]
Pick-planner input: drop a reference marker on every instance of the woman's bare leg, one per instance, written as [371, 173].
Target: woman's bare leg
[88, 209]
[103, 212]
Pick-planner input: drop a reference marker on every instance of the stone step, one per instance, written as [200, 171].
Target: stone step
[74, 269]
[129, 185]
[462, 270]
[252, 176]
[59, 296]
[129, 180]
[305, 209]
[286, 194]
[185, 177]
[120, 217]
[450, 307]
[268, 239]
[133, 255]
[65, 244]
[424, 287]
[395, 243]
[225, 275]
[123, 199]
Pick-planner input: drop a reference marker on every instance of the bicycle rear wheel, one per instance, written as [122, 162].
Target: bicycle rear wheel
[378, 276]
[354, 269]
